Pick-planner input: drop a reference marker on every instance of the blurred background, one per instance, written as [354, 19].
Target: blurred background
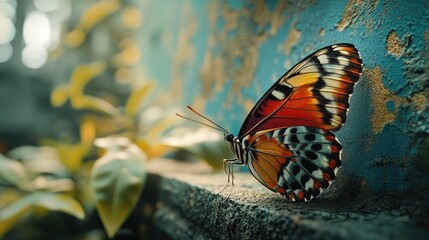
[60, 60]
[75, 70]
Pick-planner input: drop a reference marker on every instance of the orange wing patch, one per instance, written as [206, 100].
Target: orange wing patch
[268, 162]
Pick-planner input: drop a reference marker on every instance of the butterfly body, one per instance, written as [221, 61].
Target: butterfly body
[287, 139]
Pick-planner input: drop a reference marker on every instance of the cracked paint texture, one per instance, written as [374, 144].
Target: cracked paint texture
[221, 56]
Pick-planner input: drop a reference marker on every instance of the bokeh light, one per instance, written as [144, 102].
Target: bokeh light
[7, 29]
[34, 57]
[37, 30]
[6, 51]
[47, 5]
[7, 9]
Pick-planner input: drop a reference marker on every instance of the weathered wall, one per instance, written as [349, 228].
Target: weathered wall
[221, 56]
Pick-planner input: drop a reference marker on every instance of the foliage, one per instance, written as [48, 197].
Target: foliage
[117, 181]
[74, 177]
[68, 174]
[25, 187]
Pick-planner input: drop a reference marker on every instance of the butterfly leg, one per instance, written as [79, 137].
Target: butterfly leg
[229, 170]
[229, 164]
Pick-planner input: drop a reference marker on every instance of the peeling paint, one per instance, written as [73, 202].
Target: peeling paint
[237, 59]
[184, 54]
[420, 101]
[353, 10]
[293, 37]
[349, 13]
[417, 63]
[321, 32]
[380, 98]
[416, 71]
[277, 18]
[394, 45]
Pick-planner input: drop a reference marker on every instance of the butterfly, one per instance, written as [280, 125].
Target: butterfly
[287, 139]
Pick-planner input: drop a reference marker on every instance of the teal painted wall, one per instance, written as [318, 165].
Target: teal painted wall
[221, 56]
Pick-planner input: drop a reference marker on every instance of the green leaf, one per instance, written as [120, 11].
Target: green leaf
[117, 180]
[51, 201]
[12, 172]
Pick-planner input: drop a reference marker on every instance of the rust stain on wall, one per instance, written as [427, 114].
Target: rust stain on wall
[353, 10]
[380, 97]
[394, 45]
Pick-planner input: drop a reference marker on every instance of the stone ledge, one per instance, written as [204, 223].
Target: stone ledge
[190, 207]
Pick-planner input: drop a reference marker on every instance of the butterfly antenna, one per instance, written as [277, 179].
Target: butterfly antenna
[206, 118]
[205, 124]
[216, 126]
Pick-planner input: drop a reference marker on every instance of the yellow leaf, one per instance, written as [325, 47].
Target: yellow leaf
[94, 104]
[75, 38]
[153, 150]
[117, 180]
[87, 130]
[132, 17]
[60, 202]
[51, 201]
[123, 75]
[130, 54]
[135, 99]
[60, 95]
[82, 74]
[97, 12]
[91, 17]
[72, 155]
[7, 222]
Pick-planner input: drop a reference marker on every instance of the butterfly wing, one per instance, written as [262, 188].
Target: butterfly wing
[314, 93]
[297, 162]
